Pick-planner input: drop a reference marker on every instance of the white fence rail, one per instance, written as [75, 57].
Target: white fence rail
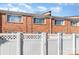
[39, 44]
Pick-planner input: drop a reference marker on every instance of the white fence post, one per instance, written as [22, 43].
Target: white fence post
[60, 44]
[74, 44]
[43, 44]
[19, 44]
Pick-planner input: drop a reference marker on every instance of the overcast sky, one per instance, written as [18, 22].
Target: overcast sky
[58, 9]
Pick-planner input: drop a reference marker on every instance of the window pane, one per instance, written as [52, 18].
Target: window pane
[13, 18]
[78, 23]
[59, 22]
[75, 23]
[38, 20]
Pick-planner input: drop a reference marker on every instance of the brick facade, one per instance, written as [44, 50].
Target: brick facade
[28, 26]
[15, 27]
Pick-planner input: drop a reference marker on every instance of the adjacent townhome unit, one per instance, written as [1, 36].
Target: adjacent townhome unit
[11, 21]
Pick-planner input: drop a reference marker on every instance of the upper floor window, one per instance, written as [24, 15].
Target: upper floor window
[38, 20]
[13, 18]
[75, 23]
[59, 22]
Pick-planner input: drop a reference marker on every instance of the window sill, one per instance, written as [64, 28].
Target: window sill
[59, 25]
[15, 22]
[39, 24]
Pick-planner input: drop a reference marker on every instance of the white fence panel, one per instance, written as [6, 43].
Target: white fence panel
[77, 44]
[32, 44]
[67, 44]
[8, 44]
[53, 44]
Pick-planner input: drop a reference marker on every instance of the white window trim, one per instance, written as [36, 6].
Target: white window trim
[39, 23]
[21, 20]
[59, 25]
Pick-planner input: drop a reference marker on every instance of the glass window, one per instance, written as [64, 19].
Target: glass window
[75, 23]
[59, 22]
[38, 20]
[13, 18]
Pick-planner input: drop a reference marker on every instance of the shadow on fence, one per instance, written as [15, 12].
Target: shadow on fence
[3, 40]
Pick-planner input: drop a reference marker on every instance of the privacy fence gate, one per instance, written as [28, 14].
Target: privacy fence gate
[39, 44]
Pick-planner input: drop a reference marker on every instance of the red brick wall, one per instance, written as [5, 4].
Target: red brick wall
[73, 28]
[67, 27]
[41, 27]
[59, 28]
[16, 27]
[28, 26]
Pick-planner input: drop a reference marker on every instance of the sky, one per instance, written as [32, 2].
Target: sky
[58, 9]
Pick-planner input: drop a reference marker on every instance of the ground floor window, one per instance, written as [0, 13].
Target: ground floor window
[75, 23]
[13, 18]
[38, 21]
[59, 22]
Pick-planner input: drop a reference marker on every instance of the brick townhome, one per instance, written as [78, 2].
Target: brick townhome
[11, 21]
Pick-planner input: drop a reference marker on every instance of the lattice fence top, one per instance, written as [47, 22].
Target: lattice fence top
[32, 36]
[8, 36]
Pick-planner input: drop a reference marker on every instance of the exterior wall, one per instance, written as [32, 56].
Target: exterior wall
[66, 28]
[28, 26]
[60, 28]
[41, 27]
[74, 29]
[15, 27]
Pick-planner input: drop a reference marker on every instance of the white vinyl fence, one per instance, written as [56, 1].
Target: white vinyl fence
[32, 44]
[8, 44]
[39, 44]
